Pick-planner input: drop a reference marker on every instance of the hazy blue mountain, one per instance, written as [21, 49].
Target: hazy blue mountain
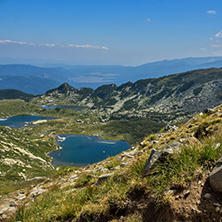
[37, 80]
[28, 84]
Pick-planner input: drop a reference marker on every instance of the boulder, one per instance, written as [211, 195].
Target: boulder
[160, 155]
[215, 177]
[154, 156]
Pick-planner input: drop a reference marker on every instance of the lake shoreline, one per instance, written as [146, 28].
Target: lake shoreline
[97, 148]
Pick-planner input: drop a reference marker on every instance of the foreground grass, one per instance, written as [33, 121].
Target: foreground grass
[89, 200]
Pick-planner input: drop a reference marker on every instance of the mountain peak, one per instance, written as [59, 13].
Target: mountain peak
[64, 88]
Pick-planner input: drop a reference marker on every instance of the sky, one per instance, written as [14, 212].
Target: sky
[108, 32]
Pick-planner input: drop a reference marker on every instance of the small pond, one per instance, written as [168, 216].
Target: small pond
[23, 120]
[75, 108]
[81, 150]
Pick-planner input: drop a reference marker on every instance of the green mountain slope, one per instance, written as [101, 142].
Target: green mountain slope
[14, 94]
[167, 98]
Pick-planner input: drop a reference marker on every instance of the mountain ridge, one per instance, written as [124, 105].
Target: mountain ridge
[94, 76]
[164, 99]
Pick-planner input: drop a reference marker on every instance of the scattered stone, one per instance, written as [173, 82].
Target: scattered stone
[167, 127]
[186, 194]
[12, 205]
[47, 181]
[142, 143]
[173, 147]
[22, 198]
[177, 197]
[217, 205]
[104, 177]
[2, 211]
[189, 121]
[3, 217]
[124, 164]
[208, 111]
[140, 153]
[215, 177]
[129, 156]
[193, 209]
[170, 192]
[217, 146]
[73, 176]
[207, 196]
[182, 140]
[155, 141]
[217, 209]
[193, 140]
[37, 191]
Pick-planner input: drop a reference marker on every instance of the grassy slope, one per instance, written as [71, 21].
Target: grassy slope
[111, 199]
[39, 140]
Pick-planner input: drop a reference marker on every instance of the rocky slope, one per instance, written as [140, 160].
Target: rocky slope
[175, 188]
[166, 99]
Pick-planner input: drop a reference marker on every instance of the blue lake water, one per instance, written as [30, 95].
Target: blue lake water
[19, 121]
[81, 150]
[75, 108]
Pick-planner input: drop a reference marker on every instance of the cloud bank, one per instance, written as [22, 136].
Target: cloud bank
[53, 45]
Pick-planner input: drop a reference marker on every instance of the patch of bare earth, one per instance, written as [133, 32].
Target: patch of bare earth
[197, 203]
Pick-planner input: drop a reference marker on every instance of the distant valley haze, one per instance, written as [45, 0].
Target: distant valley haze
[91, 43]
[37, 80]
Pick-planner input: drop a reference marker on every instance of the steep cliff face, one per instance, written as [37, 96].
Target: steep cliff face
[176, 95]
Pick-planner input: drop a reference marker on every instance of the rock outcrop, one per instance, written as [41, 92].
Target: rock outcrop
[215, 177]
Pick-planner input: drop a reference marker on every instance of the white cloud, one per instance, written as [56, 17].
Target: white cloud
[53, 45]
[15, 42]
[148, 19]
[219, 34]
[86, 46]
[47, 45]
[211, 12]
[104, 47]
[216, 45]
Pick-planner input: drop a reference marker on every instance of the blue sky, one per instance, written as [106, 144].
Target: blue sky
[123, 32]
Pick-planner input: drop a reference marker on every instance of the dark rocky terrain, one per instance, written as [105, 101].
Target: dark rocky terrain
[164, 99]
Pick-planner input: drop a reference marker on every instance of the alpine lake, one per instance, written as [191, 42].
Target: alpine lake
[76, 150]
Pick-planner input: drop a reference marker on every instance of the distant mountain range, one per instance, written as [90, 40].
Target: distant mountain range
[37, 80]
